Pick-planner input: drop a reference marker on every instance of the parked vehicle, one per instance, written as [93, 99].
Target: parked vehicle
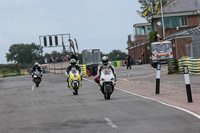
[74, 81]
[37, 78]
[107, 82]
[161, 52]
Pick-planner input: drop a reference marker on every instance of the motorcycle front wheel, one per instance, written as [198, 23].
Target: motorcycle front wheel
[75, 89]
[107, 92]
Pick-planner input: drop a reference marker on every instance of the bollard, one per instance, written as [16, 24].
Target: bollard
[187, 84]
[158, 78]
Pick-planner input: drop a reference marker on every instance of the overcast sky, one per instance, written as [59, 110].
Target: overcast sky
[103, 24]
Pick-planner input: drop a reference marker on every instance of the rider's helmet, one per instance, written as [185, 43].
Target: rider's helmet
[73, 62]
[36, 64]
[104, 60]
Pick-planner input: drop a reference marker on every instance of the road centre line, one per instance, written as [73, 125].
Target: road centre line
[33, 87]
[110, 123]
[176, 107]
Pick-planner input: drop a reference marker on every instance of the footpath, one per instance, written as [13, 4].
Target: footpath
[172, 87]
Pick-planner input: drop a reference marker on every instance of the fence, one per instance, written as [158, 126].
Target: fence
[60, 68]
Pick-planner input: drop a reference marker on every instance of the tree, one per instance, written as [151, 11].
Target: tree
[17, 69]
[145, 4]
[4, 71]
[116, 55]
[152, 38]
[25, 53]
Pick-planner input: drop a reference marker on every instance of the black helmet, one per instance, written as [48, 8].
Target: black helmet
[104, 60]
[73, 62]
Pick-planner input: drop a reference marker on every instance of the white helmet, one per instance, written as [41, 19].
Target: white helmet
[104, 60]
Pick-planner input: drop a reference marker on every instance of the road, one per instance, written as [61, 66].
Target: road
[52, 108]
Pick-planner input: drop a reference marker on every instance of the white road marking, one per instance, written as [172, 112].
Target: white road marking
[33, 87]
[176, 107]
[185, 110]
[110, 123]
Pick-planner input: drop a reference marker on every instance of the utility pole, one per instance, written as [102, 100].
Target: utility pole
[162, 20]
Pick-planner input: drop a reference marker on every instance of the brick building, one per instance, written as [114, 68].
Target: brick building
[179, 16]
[138, 46]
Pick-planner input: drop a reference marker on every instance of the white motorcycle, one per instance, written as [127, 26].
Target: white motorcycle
[74, 81]
[107, 82]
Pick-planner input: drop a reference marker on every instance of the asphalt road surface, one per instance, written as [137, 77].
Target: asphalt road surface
[52, 108]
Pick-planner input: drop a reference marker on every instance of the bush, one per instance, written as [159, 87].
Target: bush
[17, 69]
[176, 66]
[170, 70]
[4, 71]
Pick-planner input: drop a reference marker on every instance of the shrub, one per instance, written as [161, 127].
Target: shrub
[4, 71]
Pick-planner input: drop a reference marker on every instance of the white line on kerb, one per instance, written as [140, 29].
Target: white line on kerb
[110, 123]
[185, 110]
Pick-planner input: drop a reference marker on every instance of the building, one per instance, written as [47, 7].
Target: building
[138, 47]
[179, 16]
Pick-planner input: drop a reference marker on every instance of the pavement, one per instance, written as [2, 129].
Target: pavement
[141, 79]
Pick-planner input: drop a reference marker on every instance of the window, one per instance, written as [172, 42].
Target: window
[171, 22]
[149, 29]
[141, 30]
[167, 22]
[175, 22]
[183, 21]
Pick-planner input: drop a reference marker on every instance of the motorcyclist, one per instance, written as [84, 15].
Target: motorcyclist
[73, 63]
[36, 67]
[105, 63]
[73, 56]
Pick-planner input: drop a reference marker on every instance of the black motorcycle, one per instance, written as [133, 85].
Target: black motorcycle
[37, 78]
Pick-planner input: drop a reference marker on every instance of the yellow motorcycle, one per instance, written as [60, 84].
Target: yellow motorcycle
[74, 81]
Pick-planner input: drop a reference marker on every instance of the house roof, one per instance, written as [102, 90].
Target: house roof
[195, 31]
[182, 6]
[141, 24]
[178, 34]
[185, 33]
